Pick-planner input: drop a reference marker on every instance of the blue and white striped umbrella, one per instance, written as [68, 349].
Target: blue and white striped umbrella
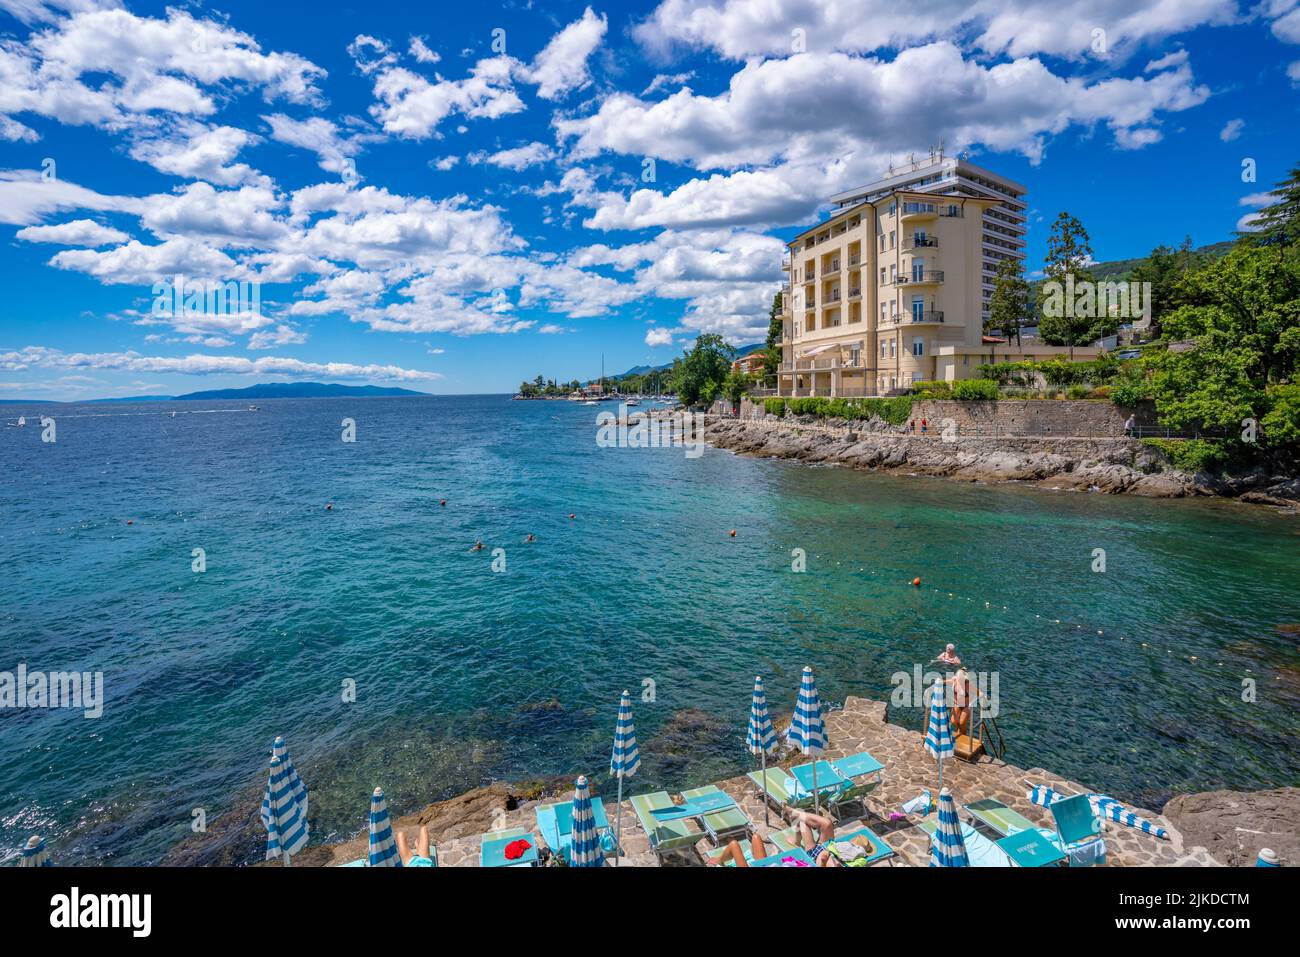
[1103, 805]
[761, 737]
[299, 790]
[1107, 806]
[383, 849]
[623, 763]
[34, 853]
[938, 732]
[807, 728]
[585, 851]
[625, 760]
[286, 826]
[947, 849]
[1042, 795]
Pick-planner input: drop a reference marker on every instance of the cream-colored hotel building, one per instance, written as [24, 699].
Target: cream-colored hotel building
[893, 288]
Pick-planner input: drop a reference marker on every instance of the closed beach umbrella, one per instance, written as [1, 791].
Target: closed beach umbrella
[623, 763]
[299, 790]
[760, 739]
[938, 732]
[34, 853]
[1107, 806]
[807, 729]
[586, 850]
[1042, 795]
[383, 849]
[1103, 805]
[947, 849]
[286, 826]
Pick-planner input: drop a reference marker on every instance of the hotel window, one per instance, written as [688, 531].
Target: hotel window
[893, 273]
[893, 208]
[882, 275]
[882, 242]
[891, 239]
[855, 356]
[884, 313]
[892, 347]
[918, 308]
[918, 346]
[882, 349]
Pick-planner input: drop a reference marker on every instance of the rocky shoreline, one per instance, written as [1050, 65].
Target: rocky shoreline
[1110, 465]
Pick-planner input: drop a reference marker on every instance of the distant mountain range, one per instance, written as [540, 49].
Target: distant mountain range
[266, 390]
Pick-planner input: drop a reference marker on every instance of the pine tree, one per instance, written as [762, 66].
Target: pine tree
[1010, 300]
[1278, 224]
[1068, 254]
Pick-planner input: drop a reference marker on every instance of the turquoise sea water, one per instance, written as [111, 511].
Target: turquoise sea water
[464, 675]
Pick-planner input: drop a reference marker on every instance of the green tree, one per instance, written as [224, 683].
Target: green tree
[1009, 304]
[775, 324]
[698, 375]
[1068, 254]
[1243, 341]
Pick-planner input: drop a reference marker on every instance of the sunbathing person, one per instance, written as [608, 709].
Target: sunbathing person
[421, 857]
[734, 853]
[818, 846]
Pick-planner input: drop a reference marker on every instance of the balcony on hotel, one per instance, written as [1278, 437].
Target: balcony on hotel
[921, 277]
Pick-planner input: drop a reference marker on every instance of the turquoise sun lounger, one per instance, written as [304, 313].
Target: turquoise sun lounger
[555, 822]
[492, 845]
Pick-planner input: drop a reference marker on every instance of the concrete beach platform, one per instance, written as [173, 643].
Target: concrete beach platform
[859, 726]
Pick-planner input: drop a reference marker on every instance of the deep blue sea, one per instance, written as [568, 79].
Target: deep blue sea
[465, 675]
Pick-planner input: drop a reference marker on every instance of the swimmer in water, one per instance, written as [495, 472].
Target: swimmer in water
[529, 538]
[478, 547]
[949, 656]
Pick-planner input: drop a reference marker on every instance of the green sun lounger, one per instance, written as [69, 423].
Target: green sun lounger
[725, 823]
[980, 851]
[1000, 818]
[664, 836]
[777, 787]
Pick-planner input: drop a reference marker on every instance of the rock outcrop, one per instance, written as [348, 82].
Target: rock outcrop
[1111, 465]
[1234, 825]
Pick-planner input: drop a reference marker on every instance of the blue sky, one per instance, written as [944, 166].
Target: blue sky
[460, 197]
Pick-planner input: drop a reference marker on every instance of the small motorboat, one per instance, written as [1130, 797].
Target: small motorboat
[21, 423]
[252, 408]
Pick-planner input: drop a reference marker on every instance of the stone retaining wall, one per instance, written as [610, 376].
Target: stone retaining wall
[1047, 417]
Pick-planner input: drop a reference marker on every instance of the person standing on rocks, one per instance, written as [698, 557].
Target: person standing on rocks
[1130, 425]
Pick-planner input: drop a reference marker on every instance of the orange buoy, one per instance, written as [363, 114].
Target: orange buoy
[733, 533]
[916, 582]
